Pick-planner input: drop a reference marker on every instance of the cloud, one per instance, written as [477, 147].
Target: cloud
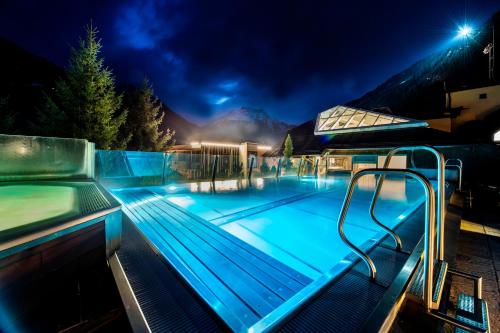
[142, 24]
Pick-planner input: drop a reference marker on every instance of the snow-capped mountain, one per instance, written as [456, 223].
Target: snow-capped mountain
[245, 124]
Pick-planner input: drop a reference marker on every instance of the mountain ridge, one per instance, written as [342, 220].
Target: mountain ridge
[27, 77]
[419, 90]
[245, 124]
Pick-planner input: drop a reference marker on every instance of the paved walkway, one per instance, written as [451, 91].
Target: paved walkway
[479, 253]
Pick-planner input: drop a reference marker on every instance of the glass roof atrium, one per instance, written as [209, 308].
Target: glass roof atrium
[344, 119]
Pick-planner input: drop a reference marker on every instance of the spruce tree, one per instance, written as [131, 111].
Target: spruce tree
[144, 119]
[85, 103]
[288, 150]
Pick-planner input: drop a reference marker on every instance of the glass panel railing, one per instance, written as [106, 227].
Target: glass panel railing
[111, 164]
[184, 167]
[308, 167]
[135, 168]
[36, 157]
[290, 166]
[266, 166]
[117, 168]
[146, 164]
[229, 167]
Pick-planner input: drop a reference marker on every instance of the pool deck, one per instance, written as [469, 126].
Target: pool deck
[242, 284]
[236, 286]
[479, 253]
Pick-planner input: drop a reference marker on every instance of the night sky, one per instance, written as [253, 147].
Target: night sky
[290, 58]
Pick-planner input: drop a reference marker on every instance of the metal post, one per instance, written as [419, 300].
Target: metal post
[214, 167]
[250, 169]
[163, 168]
[429, 225]
[459, 166]
[440, 208]
[278, 168]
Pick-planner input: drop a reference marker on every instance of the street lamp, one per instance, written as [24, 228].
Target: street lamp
[465, 31]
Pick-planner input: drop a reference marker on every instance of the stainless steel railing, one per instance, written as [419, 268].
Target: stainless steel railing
[429, 224]
[450, 163]
[440, 207]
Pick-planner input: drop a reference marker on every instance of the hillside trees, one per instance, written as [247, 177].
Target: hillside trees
[145, 116]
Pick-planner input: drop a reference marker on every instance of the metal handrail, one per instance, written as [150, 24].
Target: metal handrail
[440, 209]
[459, 166]
[429, 225]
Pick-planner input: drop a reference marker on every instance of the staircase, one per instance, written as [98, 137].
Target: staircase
[469, 314]
[427, 287]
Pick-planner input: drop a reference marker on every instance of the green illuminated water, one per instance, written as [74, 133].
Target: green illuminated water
[22, 205]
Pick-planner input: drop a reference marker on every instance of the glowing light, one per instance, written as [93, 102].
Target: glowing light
[22, 150]
[172, 188]
[264, 147]
[220, 144]
[496, 137]
[465, 31]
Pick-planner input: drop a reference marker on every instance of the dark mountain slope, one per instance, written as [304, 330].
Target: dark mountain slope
[419, 91]
[24, 78]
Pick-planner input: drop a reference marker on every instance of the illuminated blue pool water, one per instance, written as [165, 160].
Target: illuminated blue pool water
[295, 220]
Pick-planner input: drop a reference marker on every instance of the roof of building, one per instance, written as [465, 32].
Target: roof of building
[306, 142]
[346, 119]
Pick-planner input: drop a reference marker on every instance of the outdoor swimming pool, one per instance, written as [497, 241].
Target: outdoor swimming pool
[255, 251]
[295, 219]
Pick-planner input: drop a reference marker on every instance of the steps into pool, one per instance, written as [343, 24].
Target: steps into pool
[470, 311]
[417, 287]
[241, 284]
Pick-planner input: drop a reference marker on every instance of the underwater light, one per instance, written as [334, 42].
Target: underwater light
[465, 31]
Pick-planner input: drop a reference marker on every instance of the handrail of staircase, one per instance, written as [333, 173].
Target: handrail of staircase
[429, 224]
[440, 207]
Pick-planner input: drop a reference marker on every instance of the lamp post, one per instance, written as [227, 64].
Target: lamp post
[490, 51]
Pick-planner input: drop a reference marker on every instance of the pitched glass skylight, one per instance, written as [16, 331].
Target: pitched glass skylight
[344, 119]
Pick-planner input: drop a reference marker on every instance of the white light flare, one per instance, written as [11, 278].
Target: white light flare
[465, 31]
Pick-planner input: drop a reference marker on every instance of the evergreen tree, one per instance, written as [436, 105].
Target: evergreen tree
[288, 150]
[7, 117]
[85, 103]
[52, 121]
[145, 115]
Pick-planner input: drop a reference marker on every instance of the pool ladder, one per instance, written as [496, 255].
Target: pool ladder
[428, 283]
[456, 163]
